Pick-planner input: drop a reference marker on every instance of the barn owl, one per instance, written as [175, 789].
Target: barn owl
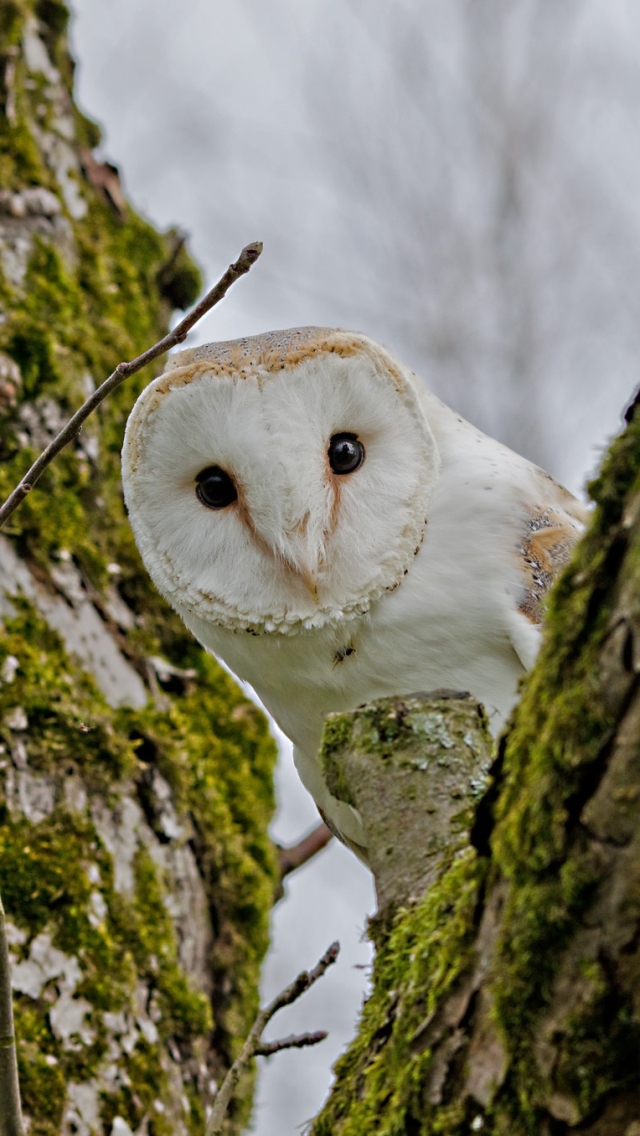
[336, 534]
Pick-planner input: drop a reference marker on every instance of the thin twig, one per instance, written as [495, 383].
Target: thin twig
[247, 257]
[253, 1043]
[10, 1111]
[294, 1041]
[293, 857]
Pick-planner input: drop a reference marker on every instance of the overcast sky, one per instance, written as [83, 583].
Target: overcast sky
[459, 180]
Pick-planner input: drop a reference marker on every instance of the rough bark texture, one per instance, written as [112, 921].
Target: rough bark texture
[507, 1000]
[135, 780]
[414, 768]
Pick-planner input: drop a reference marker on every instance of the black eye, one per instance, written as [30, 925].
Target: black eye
[346, 453]
[215, 488]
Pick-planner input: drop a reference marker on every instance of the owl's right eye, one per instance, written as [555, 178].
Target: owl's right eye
[346, 453]
[215, 488]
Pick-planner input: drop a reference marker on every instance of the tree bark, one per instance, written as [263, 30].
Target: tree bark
[507, 998]
[414, 768]
[135, 780]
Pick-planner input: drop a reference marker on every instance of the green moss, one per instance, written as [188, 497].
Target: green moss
[335, 737]
[216, 752]
[68, 719]
[43, 1087]
[554, 749]
[54, 15]
[381, 1080]
[179, 281]
[47, 325]
[184, 1010]
[20, 160]
[600, 1044]
[46, 886]
[67, 324]
[12, 14]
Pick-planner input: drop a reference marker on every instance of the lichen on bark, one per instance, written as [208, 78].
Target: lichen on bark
[414, 768]
[135, 779]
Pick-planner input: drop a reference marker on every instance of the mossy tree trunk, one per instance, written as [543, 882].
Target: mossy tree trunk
[507, 999]
[135, 780]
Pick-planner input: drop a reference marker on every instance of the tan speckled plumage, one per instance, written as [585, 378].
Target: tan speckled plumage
[545, 550]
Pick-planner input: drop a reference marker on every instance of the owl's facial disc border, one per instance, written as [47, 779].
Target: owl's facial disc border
[261, 359]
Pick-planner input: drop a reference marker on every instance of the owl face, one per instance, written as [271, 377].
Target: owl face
[279, 483]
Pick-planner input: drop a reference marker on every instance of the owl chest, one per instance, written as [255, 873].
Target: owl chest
[413, 639]
[302, 678]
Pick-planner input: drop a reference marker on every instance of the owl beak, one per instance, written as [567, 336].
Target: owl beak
[297, 565]
[310, 582]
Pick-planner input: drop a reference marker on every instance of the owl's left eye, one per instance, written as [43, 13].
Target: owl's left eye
[215, 488]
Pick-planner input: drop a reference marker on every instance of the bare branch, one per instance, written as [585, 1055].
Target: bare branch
[253, 1044]
[247, 258]
[302, 983]
[10, 1111]
[298, 854]
[294, 1041]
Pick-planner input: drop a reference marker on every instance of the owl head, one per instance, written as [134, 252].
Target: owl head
[279, 483]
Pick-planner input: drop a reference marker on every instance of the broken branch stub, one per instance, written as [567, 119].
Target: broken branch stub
[414, 767]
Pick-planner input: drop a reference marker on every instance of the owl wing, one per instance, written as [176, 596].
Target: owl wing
[554, 521]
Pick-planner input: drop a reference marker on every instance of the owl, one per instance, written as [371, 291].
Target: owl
[336, 534]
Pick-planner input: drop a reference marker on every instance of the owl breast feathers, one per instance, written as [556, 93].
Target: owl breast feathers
[334, 533]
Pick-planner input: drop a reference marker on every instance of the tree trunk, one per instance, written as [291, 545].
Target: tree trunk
[507, 998]
[135, 780]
